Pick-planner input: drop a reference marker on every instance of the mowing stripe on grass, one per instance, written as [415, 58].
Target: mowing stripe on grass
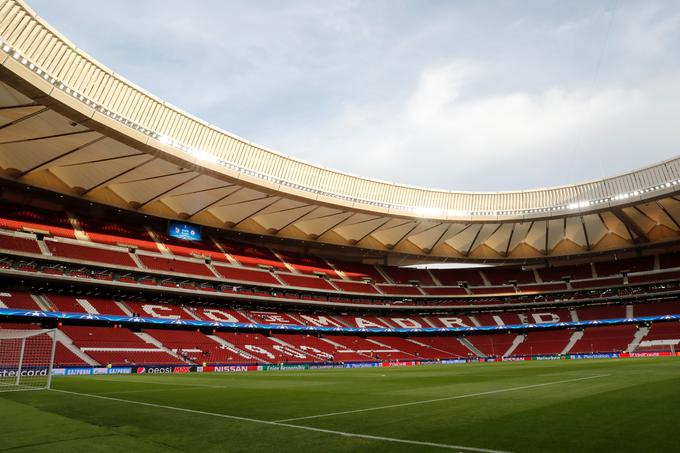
[287, 425]
[447, 398]
[178, 384]
[26, 389]
[177, 389]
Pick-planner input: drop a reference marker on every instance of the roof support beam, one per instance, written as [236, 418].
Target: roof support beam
[474, 240]
[106, 159]
[333, 226]
[638, 236]
[441, 238]
[165, 192]
[373, 231]
[194, 192]
[297, 219]
[118, 175]
[210, 205]
[47, 137]
[675, 221]
[276, 200]
[585, 234]
[415, 225]
[507, 246]
[19, 106]
[263, 197]
[23, 118]
[56, 158]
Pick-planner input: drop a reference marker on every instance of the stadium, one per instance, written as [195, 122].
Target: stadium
[169, 285]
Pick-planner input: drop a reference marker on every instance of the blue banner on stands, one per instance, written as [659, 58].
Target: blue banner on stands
[594, 356]
[363, 365]
[90, 318]
[112, 370]
[85, 371]
[243, 368]
[72, 371]
[79, 371]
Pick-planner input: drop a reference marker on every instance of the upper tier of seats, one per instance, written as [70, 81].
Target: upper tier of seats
[475, 297]
[78, 238]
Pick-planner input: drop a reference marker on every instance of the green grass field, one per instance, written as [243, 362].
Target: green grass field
[589, 405]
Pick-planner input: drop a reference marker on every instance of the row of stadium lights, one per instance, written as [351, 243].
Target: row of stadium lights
[204, 155]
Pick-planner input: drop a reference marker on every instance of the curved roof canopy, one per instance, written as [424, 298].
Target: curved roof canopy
[71, 125]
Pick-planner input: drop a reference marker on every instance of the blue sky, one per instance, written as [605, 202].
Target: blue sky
[493, 95]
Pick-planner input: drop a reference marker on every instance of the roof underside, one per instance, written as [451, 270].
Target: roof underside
[43, 148]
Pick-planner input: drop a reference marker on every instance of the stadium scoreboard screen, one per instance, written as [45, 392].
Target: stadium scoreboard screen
[184, 231]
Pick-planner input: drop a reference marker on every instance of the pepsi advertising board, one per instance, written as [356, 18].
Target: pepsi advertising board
[184, 231]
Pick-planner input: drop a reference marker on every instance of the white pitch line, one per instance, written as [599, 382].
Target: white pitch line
[288, 425]
[448, 398]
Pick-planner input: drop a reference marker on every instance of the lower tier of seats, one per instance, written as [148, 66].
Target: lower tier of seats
[88, 345]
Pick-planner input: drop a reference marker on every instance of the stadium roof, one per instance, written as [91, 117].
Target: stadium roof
[69, 124]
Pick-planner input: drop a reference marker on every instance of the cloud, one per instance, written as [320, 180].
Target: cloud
[438, 138]
[492, 96]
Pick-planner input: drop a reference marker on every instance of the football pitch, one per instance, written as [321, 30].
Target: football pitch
[585, 405]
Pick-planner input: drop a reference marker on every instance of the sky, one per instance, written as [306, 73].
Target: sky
[478, 96]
